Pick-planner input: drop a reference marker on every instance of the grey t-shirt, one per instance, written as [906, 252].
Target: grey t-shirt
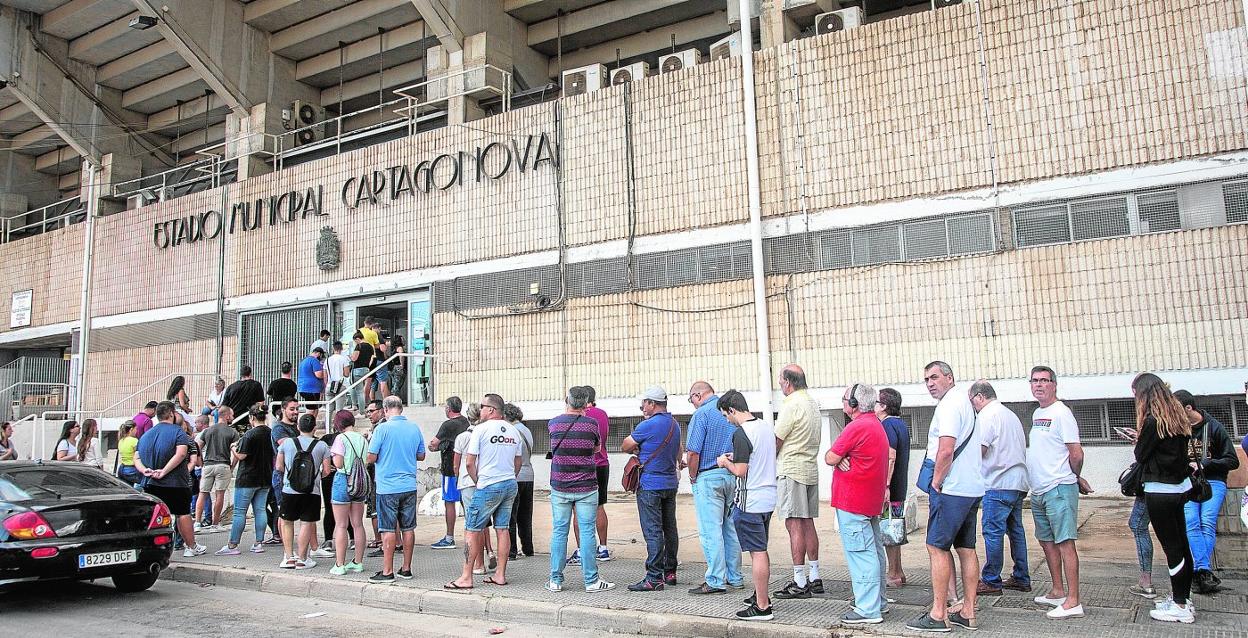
[526, 453]
[287, 450]
[216, 444]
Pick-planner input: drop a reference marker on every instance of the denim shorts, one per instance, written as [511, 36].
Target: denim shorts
[752, 530]
[1056, 513]
[396, 512]
[382, 375]
[492, 500]
[339, 495]
[951, 521]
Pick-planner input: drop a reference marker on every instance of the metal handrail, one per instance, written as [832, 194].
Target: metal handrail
[212, 167]
[414, 101]
[149, 387]
[337, 122]
[8, 228]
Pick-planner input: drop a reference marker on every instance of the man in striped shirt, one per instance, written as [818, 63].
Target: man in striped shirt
[574, 439]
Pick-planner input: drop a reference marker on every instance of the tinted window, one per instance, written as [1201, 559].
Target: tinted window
[30, 483]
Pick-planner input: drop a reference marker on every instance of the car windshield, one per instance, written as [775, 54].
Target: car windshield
[25, 484]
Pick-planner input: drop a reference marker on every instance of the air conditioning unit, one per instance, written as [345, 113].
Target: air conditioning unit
[583, 80]
[302, 117]
[630, 73]
[834, 21]
[729, 47]
[679, 61]
[940, 4]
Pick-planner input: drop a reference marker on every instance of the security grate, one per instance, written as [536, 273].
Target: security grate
[1235, 195]
[1159, 211]
[1092, 420]
[1042, 225]
[266, 339]
[593, 278]
[876, 245]
[1099, 218]
[926, 239]
[971, 234]
[161, 333]
[835, 250]
[790, 254]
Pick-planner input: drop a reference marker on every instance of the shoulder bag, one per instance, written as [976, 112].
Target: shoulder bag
[551, 454]
[631, 480]
[1201, 490]
[928, 470]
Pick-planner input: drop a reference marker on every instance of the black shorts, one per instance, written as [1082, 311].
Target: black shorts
[309, 396]
[301, 507]
[177, 499]
[604, 475]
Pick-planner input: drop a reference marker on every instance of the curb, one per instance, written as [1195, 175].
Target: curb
[493, 607]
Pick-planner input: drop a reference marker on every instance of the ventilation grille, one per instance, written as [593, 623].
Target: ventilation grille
[266, 339]
[1100, 218]
[1159, 212]
[161, 333]
[1235, 194]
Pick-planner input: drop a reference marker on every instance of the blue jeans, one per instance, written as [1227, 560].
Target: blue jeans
[1143, 541]
[257, 497]
[357, 392]
[585, 506]
[713, 493]
[657, 510]
[1202, 525]
[1003, 515]
[864, 555]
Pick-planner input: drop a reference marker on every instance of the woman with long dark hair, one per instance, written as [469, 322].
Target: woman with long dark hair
[177, 394]
[88, 451]
[67, 444]
[1161, 450]
[8, 452]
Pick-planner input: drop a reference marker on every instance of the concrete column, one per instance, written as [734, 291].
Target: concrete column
[444, 69]
[246, 141]
[114, 169]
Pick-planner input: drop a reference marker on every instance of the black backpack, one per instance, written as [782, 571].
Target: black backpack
[303, 473]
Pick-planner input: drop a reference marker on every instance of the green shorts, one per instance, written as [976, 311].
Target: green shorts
[1057, 514]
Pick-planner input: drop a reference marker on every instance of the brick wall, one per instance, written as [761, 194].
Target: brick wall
[115, 374]
[51, 265]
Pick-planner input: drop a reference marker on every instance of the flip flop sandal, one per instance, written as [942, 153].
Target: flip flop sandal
[453, 586]
[491, 581]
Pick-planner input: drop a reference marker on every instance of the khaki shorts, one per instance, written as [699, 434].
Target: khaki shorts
[796, 500]
[215, 478]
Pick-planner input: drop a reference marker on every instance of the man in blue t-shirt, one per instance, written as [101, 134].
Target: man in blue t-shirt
[397, 448]
[161, 458]
[656, 441]
[714, 490]
[311, 380]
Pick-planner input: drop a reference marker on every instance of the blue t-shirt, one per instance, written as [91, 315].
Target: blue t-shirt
[308, 383]
[660, 471]
[710, 434]
[397, 443]
[898, 439]
[157, 446]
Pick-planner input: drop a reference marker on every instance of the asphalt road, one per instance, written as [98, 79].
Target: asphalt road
[172, 609]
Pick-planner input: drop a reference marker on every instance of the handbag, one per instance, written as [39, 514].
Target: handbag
[1201, 490]
[927, 471]
[893, 529]
[631, 480]
[1131, 481]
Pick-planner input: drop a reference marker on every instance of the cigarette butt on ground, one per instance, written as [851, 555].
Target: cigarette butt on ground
[494, 631]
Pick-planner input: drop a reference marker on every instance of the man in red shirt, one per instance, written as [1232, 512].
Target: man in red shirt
[859, 485]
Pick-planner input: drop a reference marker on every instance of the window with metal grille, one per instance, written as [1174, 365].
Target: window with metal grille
[925, 239]
[835, 250]
[1159, 211]
[1235, 195]
[971, 234]
[1092, 420]
[1042, 225]
[1098, 218]
[592, 278]
[876, 245]
[266, 339]
[789, 254]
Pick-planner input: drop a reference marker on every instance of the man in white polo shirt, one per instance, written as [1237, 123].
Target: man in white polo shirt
[1005, 477]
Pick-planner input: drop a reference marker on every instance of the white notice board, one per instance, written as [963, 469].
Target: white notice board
[19, 316]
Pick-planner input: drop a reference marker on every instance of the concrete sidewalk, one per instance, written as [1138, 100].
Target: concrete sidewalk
[1111, 610]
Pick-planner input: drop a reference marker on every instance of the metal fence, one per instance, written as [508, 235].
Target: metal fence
[29, 385]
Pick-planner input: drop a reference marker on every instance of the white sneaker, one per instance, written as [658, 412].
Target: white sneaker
[257, 548]
[1052, 602]
[599, 585]
[198, 528]
[306, 563]
[1174, 613]
[1061, 613]
[197, 550]
[1165, 603]
[556, 587]
[288, 562]
[321, 553]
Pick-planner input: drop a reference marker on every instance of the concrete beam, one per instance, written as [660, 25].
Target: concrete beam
[174, 83]
[34, 141]
[111, 41]
[167, 119]
[408, 73]
[64, 94]
[643, 43]
[16, 118]
[360, 51]
[18, 176]
[149, 62]
[442, 22]
[77, 17]
[227, 54]
[326, 24]
[58, 162]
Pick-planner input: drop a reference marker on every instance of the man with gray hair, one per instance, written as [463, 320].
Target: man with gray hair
[1005, 482]
[860, 456]
[396, 451]
[714, 490]
[797, 458]
[574, 441]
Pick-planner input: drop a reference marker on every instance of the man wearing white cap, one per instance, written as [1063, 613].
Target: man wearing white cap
[656, 441]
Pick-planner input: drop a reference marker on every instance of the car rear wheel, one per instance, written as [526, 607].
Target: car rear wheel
[130, 583]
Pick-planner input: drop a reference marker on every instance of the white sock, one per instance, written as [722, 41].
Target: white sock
[602, 548]
[799, 575]
[813, 566]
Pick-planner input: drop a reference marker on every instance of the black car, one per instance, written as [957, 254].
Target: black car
[71, 521]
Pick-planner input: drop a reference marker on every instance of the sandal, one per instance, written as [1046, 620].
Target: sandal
[374, 544]
[490, 581]
[453, 585]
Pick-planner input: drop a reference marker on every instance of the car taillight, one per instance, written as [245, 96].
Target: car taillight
[44, 552]
[163, 539]
[160, 517]
[27, 526]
